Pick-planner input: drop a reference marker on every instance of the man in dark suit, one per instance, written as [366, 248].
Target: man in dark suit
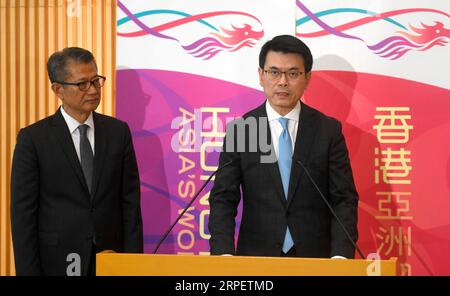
[283, 213]
[75, 186]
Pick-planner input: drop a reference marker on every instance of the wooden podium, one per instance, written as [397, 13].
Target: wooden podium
[109, 264]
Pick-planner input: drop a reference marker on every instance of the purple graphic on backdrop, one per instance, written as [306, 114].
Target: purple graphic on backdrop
[151, 103]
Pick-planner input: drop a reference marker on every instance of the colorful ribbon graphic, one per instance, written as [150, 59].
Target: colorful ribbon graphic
[392, 47]
[218, 40]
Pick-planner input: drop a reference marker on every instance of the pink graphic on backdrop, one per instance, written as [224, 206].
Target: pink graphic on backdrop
[149, 99]
[352, 98]
[211, 38]
[392, 47]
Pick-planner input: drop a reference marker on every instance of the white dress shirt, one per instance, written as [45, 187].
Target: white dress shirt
[275, 126]
[73, 124]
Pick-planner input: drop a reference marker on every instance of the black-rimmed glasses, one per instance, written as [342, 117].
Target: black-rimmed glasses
[275, 74]
[98, 82]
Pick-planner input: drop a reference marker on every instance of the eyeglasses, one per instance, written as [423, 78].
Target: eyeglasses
[275, 74]
[98, 82]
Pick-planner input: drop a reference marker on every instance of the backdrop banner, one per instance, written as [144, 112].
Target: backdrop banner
[186, 68]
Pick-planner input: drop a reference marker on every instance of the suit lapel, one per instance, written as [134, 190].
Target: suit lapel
[272, 167]
[62, 132]
[305, 137]
[100, 151]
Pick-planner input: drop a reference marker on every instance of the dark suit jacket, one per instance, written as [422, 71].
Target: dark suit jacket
[52, 212]
[321, 147]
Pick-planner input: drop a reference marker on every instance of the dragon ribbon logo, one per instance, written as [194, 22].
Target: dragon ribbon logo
[181, 29]
[392, 47]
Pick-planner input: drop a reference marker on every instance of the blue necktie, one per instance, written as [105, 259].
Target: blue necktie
[284, 165]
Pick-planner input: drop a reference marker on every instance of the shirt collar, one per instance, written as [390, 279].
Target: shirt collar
[73, 124]
[294, 114]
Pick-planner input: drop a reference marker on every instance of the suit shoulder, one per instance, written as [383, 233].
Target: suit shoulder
[325, 119]
[111, 121]
[38, 126]
[257, 112]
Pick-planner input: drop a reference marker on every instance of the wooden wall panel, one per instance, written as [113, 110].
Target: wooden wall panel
[30, 31]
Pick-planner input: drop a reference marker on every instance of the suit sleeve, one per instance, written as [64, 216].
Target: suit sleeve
[25, 206]
[343, 196]
[131, 199]
[223, 202]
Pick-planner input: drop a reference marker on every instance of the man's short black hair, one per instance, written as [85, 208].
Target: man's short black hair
[287, 44]
[56, 64]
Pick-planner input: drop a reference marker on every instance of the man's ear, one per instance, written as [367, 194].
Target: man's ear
[308, 77]
[57, 89]
[261, 73]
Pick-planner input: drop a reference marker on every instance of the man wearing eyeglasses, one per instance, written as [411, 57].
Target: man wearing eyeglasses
[283, 213]
[75, 187]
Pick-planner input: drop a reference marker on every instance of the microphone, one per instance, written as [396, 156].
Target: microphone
[331, 209]
[187, 207]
